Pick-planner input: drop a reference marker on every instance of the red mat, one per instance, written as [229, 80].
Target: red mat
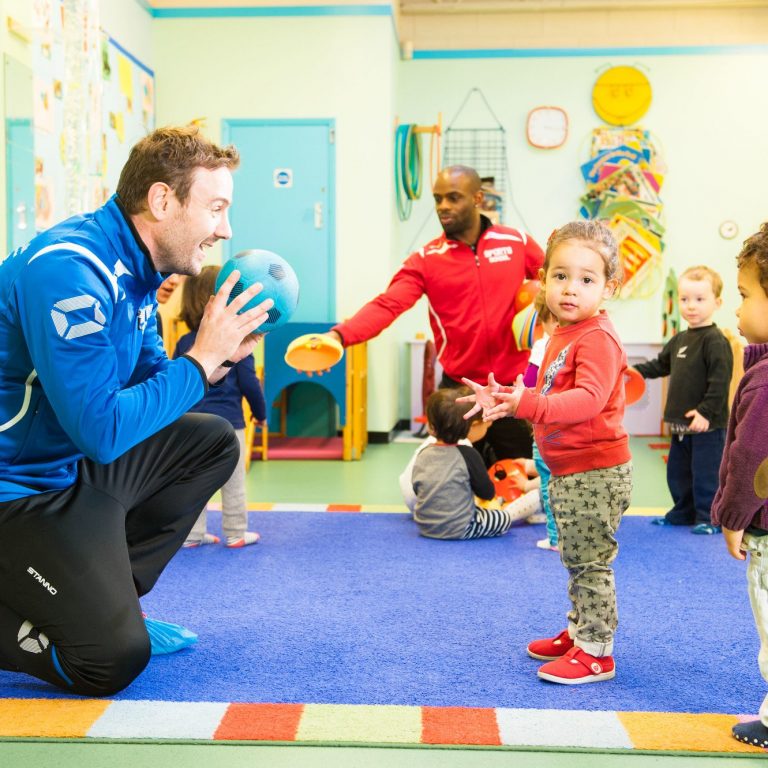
[305, 448]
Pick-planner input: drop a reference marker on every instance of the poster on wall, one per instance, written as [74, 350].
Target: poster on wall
[48, 113]
[67, 115]
[128, 109]
[92, 101]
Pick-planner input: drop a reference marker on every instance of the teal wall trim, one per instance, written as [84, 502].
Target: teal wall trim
[532, 53]
[144, 5]
[273, 10]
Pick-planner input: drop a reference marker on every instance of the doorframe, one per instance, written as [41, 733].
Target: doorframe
[330, 123]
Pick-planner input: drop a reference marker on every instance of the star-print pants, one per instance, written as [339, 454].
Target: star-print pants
[588, 507]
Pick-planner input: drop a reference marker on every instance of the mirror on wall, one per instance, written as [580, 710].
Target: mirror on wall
[19, 153]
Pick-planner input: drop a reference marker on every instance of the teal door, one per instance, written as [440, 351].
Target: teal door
[284, 202]
[19, 183]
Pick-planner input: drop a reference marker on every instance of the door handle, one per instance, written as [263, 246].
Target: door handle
[318, 215]
[21, 216]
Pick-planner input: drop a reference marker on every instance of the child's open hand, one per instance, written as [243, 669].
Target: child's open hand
[484, 397]
[507, 402]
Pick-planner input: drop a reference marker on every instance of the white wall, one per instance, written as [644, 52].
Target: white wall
[708, 115]
[306, 67]
[127, 22]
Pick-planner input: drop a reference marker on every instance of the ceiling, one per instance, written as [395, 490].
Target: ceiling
[418, 7]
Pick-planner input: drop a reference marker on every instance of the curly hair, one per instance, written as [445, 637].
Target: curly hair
[195, 294]
[595, 235]
[170, 155]
[755, 251]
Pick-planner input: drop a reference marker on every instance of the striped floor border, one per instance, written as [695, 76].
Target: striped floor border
[369, 724]
[396, 508]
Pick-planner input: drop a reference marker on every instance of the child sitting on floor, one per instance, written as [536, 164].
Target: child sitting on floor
[454, 495]
[477, 430]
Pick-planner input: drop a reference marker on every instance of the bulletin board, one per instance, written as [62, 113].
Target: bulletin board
[48, 115]
[128, 108]
[80, 149]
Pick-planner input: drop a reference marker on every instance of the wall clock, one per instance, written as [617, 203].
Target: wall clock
[547, 127]
[728, 229]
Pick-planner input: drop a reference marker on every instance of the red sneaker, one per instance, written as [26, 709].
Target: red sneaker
[578, 667]
[551, 647]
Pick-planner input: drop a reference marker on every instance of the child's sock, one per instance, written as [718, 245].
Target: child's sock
[248, 538]
[524, 506]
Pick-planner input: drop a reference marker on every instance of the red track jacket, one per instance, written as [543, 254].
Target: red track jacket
[471, 295]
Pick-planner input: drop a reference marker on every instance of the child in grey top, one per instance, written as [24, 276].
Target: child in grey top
[455, 497]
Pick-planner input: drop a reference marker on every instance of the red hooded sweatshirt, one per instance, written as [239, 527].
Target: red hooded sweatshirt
[577, 407]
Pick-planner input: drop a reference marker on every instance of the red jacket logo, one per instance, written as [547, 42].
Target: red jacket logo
[504, 253]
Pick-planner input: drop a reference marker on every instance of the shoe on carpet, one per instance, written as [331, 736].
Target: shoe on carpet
[168, 638]
[547, 544]
[578, 667]
[208, 538]
[660, 521]
[551, 647]
[753, 732]
[536, 518]
[705, 529]
[249, 537]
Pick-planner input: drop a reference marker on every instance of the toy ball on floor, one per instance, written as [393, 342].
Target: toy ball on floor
[508, 478]
[275, 274]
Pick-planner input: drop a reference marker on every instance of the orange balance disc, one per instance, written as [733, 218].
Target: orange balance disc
[634, 386]
[313, 353]
[509, 478]
[526, 294]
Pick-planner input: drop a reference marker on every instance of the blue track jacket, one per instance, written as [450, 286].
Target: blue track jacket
[82, 368]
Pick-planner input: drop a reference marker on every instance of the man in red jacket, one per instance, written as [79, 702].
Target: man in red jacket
[470, 275]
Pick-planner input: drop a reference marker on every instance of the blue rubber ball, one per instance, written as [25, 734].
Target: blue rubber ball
[275, 274]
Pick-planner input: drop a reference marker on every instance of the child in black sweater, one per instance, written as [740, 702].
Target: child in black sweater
[699, 363]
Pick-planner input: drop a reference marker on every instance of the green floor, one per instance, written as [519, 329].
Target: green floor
[48, 755]
[374, 479]
[370, 481]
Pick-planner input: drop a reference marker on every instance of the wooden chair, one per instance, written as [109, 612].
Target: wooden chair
[256, 435]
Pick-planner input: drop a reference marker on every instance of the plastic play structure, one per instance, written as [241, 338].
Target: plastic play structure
[346, 383]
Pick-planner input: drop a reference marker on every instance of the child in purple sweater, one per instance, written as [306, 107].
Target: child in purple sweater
[740, 503]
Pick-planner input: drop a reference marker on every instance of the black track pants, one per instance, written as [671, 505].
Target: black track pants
[74, 563]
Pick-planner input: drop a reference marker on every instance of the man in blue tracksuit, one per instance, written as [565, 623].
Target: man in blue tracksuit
[102, 474]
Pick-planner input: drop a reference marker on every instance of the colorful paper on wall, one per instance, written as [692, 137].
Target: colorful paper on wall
[624, 177]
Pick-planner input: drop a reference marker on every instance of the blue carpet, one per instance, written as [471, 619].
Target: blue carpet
[358, 609]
